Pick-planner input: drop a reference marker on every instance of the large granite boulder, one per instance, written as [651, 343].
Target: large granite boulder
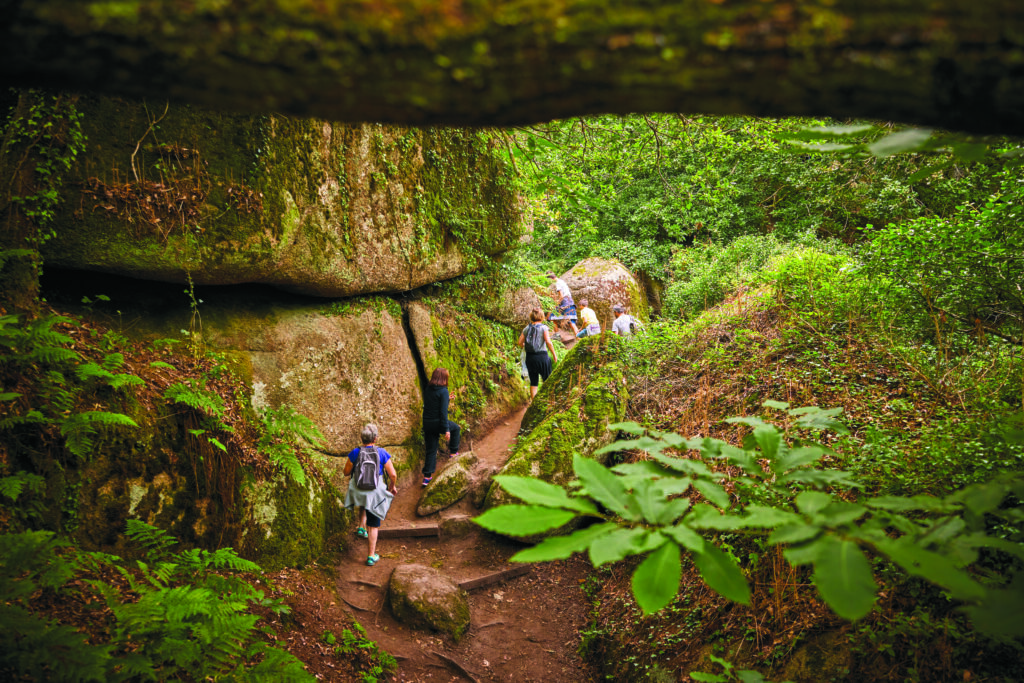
[316, 207]
[481, 357]
[422, 597]
[605, 283]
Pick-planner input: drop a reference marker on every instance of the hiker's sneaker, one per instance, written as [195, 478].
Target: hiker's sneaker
[426, 480]
[361, 532]
[453, 455]
[372, 559]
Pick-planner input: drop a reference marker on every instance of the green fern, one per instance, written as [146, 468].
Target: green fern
[94, 371]
[12, 486]
[156, 542]
[196, 397]
[284, 432]
[78, 429]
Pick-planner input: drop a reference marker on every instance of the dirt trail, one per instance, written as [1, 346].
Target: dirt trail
[525, 629]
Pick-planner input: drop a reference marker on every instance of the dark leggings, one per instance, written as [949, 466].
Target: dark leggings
[431, 433]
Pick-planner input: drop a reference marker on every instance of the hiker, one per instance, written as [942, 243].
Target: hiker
[373, 502]
[624, 324]
[588, 318]
[559, 285]
[533, 339]
[436, 422]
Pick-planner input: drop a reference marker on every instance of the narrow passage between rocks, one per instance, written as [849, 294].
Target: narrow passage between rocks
[524, 628]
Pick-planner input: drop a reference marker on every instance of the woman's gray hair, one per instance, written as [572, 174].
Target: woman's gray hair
[369, 433]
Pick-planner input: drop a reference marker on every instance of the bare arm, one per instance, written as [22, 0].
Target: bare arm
[389, 467]
[551, 347]
[521, 341]
[348, 467]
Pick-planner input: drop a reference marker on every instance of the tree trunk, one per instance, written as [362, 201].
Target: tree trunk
[19, 243]
[947, 63]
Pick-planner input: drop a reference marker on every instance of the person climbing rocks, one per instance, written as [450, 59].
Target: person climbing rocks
[535, 339]
[559, 285]
[436, 422]
[588, 318]
[566, 306]
[373, 503]
[624, 324]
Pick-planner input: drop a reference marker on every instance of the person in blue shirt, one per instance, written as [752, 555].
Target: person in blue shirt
[436, 422]
[378, 499]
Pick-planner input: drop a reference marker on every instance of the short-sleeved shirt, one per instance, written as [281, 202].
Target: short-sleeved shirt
[561, 287]
[621, 325]
[384, 456]
[588, 317]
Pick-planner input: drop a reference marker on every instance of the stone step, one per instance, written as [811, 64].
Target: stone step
[410, 531]
[496, 577]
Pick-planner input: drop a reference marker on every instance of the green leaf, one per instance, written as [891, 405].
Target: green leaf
[805, 554]
[561, 547]
[686, 537]
[777, 405]
[693, 467]
[810, 502]
[901, 504]
[656, 581]
[705, 677]
[910, 140]
[841, 512]
[768, 517]
[604, 487]
[713, 492]
[768, 438]
[932, 566]
[673, 510]
[843, 577]
[794, 533]
[622, 543]
[721, 573]
[523, 520]
[644, 468]
[218, 444]
[161, 364]
[803, 455]
[628, 427]
[537, 492]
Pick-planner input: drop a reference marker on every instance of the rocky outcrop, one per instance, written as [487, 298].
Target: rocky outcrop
[605, 283]
[568, 415]
[481, 358]
[449, 487]
[422, 597]
[316, 207]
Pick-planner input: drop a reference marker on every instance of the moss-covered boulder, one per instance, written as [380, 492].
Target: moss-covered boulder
[422, 597]
[570, 414]
[481, 357]
[322, 208]
[287, 524]
[449, 487]
[605, 283]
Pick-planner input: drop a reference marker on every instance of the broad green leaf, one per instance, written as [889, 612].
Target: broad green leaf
[840, 513]
[721, 573]
[749, 676]
[645, 443]
[604, 487]
[999, 613]
[941, 531]
[673, 510]
[704, 677]
[686, 537]
[768, 517]
[628, 427]
[523, 520]
[909, 140]
[675, 486]
[656, 580]
[810, 502]
[815, 418]
[694, 467]
[822, 146]
[932, 566]
[561, 547]
[843, 577]
[644, 468]
[218, 444]
[713, 492]
[768, 438]
[805, 554]
[982, 498]
[803, 455]
[9, 396]
[794, 533]
[749, 421]
[622, 543]
[900, 504]
[777, 405]
[537, 492]
[742, 458]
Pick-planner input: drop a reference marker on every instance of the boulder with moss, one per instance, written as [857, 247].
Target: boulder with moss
[570, 414]
[183, 194]
[447, 488]
[606, 283]
[481, 357]
[422, 597]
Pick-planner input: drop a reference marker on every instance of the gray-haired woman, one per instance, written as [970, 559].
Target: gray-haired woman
[376, 499]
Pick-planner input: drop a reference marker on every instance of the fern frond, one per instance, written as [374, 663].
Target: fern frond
[78, 429]
[87, 371]
[12, 486]
[279, 665]
[113, 361]
[289, 462]
[155, 541]
[125, 379]
[227, 558]
[196, 397]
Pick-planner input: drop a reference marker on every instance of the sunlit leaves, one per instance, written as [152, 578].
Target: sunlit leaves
[843, 577]
[523, 520]
[656, 580]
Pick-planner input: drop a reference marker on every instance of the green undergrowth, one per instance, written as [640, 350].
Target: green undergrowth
[927, 414]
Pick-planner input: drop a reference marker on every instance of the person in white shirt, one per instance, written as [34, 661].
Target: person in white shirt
[624, 324]
[559, 285]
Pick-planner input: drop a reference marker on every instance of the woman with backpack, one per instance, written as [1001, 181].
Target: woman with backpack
[367, 489]
[436, 422]
[534, 338]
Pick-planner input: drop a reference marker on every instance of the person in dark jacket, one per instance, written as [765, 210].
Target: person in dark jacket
[436, 422]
